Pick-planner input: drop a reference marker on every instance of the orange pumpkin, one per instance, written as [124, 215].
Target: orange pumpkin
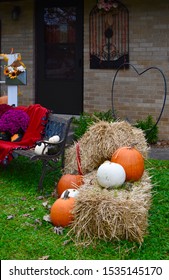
[69, 181]
[61, 211]
[131, 160]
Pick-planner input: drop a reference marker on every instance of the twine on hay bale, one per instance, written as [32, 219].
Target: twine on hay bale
[111, 214]
[100, 141]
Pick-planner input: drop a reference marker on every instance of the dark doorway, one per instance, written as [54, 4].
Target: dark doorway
[59, 55]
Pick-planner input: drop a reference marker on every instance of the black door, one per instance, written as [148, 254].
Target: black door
[59, 55]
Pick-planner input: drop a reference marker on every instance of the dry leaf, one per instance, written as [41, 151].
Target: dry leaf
[54, 194]
[45, 203]
[38, 221]
[44, 258]
[26, 215]
[46, 218]
[40, 197]
[58, 230]
[10, 217]
[66, 242]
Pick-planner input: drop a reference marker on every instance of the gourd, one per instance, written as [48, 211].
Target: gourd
[68, 181]
[131, 160]
[54, 139]
[110, 175]
[53, 148]
[61, 211]
[41, 149]
[72, 193]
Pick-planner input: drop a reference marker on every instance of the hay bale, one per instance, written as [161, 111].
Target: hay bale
[111, 214]
[100, 141]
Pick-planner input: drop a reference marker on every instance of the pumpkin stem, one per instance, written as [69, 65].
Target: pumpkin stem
[66, 194]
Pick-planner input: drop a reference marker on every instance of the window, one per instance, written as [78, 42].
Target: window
[109, 35]
[60, 38]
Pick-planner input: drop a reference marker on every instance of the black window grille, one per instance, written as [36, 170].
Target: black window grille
[109, 35]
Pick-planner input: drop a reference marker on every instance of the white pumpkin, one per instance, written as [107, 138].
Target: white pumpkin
[54, 139]
[39, 149]
[72, 193]
[110, 174]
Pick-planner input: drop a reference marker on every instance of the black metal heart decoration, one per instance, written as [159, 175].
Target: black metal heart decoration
[127, 65]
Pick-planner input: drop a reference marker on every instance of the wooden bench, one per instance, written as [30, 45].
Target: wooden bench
[56, 125]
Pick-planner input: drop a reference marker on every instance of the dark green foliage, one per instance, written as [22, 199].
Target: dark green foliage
[85, 120]
[104, 116]
[149, 128]
[81, 124]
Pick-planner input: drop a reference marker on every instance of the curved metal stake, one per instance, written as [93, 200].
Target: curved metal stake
[147, 69]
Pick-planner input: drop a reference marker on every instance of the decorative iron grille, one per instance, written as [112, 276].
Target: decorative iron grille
[109, 35]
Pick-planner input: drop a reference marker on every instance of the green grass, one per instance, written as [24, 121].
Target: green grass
[27, 236]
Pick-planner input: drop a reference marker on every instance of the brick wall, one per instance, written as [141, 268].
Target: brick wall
[19, 35]
[134, 97]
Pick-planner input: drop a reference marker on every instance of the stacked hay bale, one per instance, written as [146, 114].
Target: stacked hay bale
[120, 213]
[111, 214]
[99, 143]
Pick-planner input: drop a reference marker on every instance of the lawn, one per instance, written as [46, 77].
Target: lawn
[26, 235]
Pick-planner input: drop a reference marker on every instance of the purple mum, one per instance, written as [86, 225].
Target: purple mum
[13, 121]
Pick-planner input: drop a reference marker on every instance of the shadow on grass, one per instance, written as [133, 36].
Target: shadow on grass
[22, 173]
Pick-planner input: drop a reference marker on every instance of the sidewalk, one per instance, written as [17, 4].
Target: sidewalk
[159, 153]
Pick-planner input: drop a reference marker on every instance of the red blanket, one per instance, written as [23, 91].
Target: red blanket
[38, 117]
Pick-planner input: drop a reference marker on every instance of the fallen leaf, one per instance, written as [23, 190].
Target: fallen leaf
[40, 197]
[44, 258]
[38, 221]
[26, 215]
[45, 204]
[54, 194]
[58, 230]
[10, 217]
[46, 218]
[66, 242]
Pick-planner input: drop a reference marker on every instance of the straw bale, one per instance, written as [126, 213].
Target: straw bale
[99, 143]
[120, 213]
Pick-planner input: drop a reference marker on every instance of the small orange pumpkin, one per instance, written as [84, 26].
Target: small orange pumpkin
[131, 160]
[61, 211]
[69, 181]
[16, 137]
